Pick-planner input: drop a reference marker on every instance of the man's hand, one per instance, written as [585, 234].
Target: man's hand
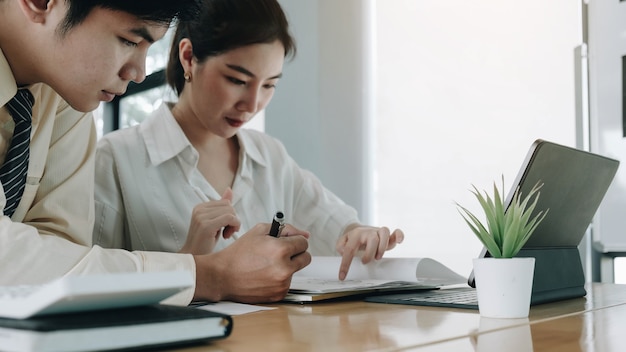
[256, 268]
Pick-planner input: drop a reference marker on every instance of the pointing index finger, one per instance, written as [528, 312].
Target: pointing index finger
[346, 261]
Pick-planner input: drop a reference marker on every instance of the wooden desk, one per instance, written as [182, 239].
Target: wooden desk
[593, 323]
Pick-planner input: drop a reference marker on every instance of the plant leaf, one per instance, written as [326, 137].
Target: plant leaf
[480, 232]
[506, 230]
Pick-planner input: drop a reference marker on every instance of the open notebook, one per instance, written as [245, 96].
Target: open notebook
[574, 184]
[318, 281]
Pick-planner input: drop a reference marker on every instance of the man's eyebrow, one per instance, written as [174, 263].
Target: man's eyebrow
[248, 73]
[143, 32]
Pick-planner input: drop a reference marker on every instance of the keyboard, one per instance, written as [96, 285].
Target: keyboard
[458, 297]
[91, 292]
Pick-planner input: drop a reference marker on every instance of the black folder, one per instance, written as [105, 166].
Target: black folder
[141, 327]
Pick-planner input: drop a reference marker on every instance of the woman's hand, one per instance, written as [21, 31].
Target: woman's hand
[371, 241]
[209, 221]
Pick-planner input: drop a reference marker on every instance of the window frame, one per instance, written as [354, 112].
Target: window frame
[111, 111]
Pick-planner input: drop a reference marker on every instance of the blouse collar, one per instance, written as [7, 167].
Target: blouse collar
[165, 140]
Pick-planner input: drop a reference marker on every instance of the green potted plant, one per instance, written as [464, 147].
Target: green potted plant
[506, 230]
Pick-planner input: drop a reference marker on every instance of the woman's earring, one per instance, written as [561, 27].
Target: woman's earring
[187, 77]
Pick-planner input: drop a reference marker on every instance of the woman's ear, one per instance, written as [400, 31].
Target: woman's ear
[36, 10]
[185, 54]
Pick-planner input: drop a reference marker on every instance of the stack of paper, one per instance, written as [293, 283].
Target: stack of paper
[319, 280]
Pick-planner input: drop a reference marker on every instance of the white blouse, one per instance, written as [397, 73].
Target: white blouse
[147, 184]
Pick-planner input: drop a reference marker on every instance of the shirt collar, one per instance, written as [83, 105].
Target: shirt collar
[165, 139]
[8, 86]
[249, 148]
[8, 89]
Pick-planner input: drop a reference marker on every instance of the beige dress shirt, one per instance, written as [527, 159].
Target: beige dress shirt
[50, 233]
[147, 184]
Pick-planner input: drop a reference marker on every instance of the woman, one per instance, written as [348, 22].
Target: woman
[189, 177]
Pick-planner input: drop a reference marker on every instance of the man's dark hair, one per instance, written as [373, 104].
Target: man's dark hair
[158, 11]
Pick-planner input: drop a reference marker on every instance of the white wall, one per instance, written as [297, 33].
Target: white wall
[464, 87]
[461, 89]
[322, 107]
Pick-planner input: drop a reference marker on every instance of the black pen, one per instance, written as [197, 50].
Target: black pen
[277, 224]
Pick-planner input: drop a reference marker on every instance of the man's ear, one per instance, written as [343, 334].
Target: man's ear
[36, 10]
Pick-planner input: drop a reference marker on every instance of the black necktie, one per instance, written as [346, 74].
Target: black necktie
[13, 171]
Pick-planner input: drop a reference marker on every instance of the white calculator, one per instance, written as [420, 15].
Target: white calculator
[91, 292]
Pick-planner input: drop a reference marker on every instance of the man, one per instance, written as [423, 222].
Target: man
[64, 57]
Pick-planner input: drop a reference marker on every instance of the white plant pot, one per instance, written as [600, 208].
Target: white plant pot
[504, 286]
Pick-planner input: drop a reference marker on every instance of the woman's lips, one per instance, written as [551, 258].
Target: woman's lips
[235, 123]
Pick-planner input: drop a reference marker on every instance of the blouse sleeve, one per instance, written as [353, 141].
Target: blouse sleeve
[314, 207]
[108, 230]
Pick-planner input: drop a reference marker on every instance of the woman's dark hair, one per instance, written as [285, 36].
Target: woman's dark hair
[159, 11]
[225, 25]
